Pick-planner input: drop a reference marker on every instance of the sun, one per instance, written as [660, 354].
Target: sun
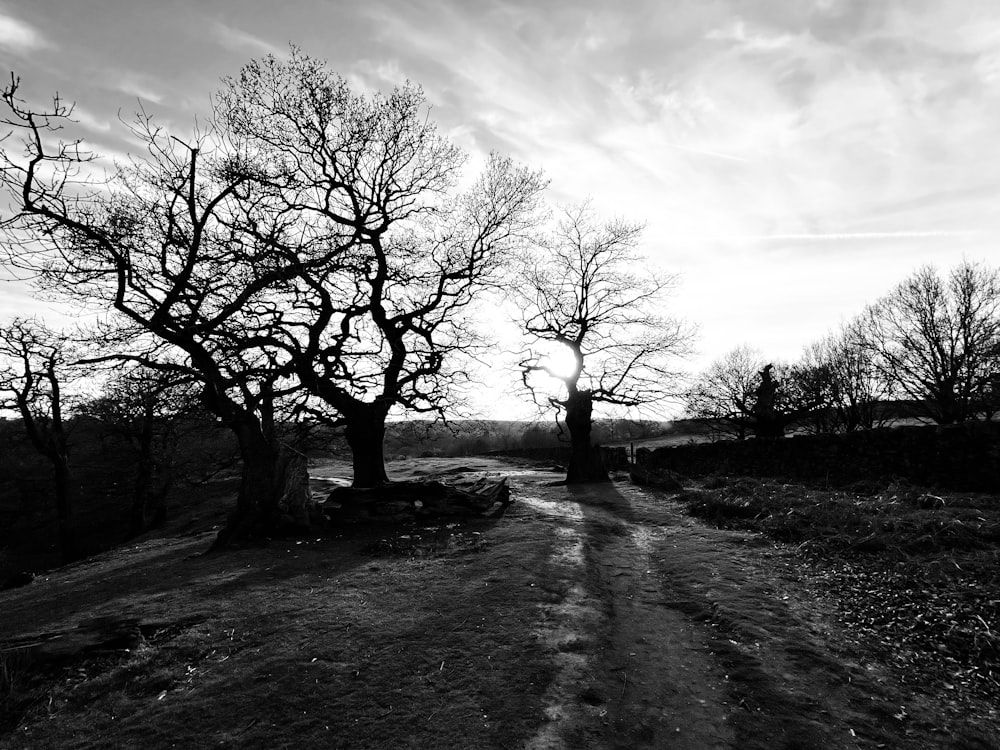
[560, 360]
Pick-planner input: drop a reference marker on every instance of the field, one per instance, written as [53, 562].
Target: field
[914, 575]
[736, 614]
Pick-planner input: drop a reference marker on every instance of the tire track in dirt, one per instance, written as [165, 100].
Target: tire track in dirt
[657, 684]
[567, 622]
[673, 695]
[669, 634]
[631, 671]
[787, 688]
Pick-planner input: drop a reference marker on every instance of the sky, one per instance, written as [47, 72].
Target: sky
[792, 159]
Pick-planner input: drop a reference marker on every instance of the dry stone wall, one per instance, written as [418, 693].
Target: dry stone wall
[959, 457]
[614, 458]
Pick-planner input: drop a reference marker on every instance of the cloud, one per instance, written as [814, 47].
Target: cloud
[705, 152]
[756, 40]
[19, 36]
[140, 90]
[837, 236]
[239, 41]
[376, 75]
[91, 121]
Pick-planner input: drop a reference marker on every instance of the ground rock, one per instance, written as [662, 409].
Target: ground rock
[398, 501]
[661, 479]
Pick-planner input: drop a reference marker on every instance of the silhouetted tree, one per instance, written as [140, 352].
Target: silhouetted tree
[176, 246]
[36, 366]
[856, 385]
[938, 340]
[744, 395]
[150, 411]
[587, 291]
[725, 392]
[386, 331]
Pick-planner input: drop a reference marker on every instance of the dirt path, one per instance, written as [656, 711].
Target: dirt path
[673, 635]
[597, 617]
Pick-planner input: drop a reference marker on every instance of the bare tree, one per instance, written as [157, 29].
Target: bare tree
[938, 340]
[36, 366]
[742, 395]
[725, 392]
[177, 246]
[148, 410]
[583, 293]
[307, 238]
[387, 331]
[857, 387]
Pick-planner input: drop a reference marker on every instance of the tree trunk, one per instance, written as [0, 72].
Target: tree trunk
[69, 548]
[274, 497]
[365, 433]
[138, 522]
[295, 501]
[769, 426]
[157, 505]
[950, 408]
[586, 463]
[140, 499]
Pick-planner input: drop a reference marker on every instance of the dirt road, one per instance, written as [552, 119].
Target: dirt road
[674, 635]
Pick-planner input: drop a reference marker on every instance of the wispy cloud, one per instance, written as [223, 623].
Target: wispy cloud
[19, 36]
[91, 121]
[705, 152]
[754, 40]
[140, 90]
[829, 236]
[241, 41]
[369, 75]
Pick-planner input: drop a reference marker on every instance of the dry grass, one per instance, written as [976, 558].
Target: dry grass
[370, 640]
[913, 574]
[896, 520]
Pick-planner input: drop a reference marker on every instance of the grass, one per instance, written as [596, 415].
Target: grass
[913, 574]
[405, 637]
[897, 520]
[14, 669]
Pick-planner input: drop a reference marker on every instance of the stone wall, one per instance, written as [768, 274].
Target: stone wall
[960, 457]
[614, 458]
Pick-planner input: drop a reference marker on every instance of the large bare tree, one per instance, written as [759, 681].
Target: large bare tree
[938, 340]
[587, 292]
[306, 238]
[387, 330]
[178, 248]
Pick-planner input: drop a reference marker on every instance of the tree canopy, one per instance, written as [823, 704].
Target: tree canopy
[581, 291]
[938, 339]
[308, 247]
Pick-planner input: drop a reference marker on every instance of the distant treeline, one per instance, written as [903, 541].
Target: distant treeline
[471, 437]
[120, 490]
[932, 341]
